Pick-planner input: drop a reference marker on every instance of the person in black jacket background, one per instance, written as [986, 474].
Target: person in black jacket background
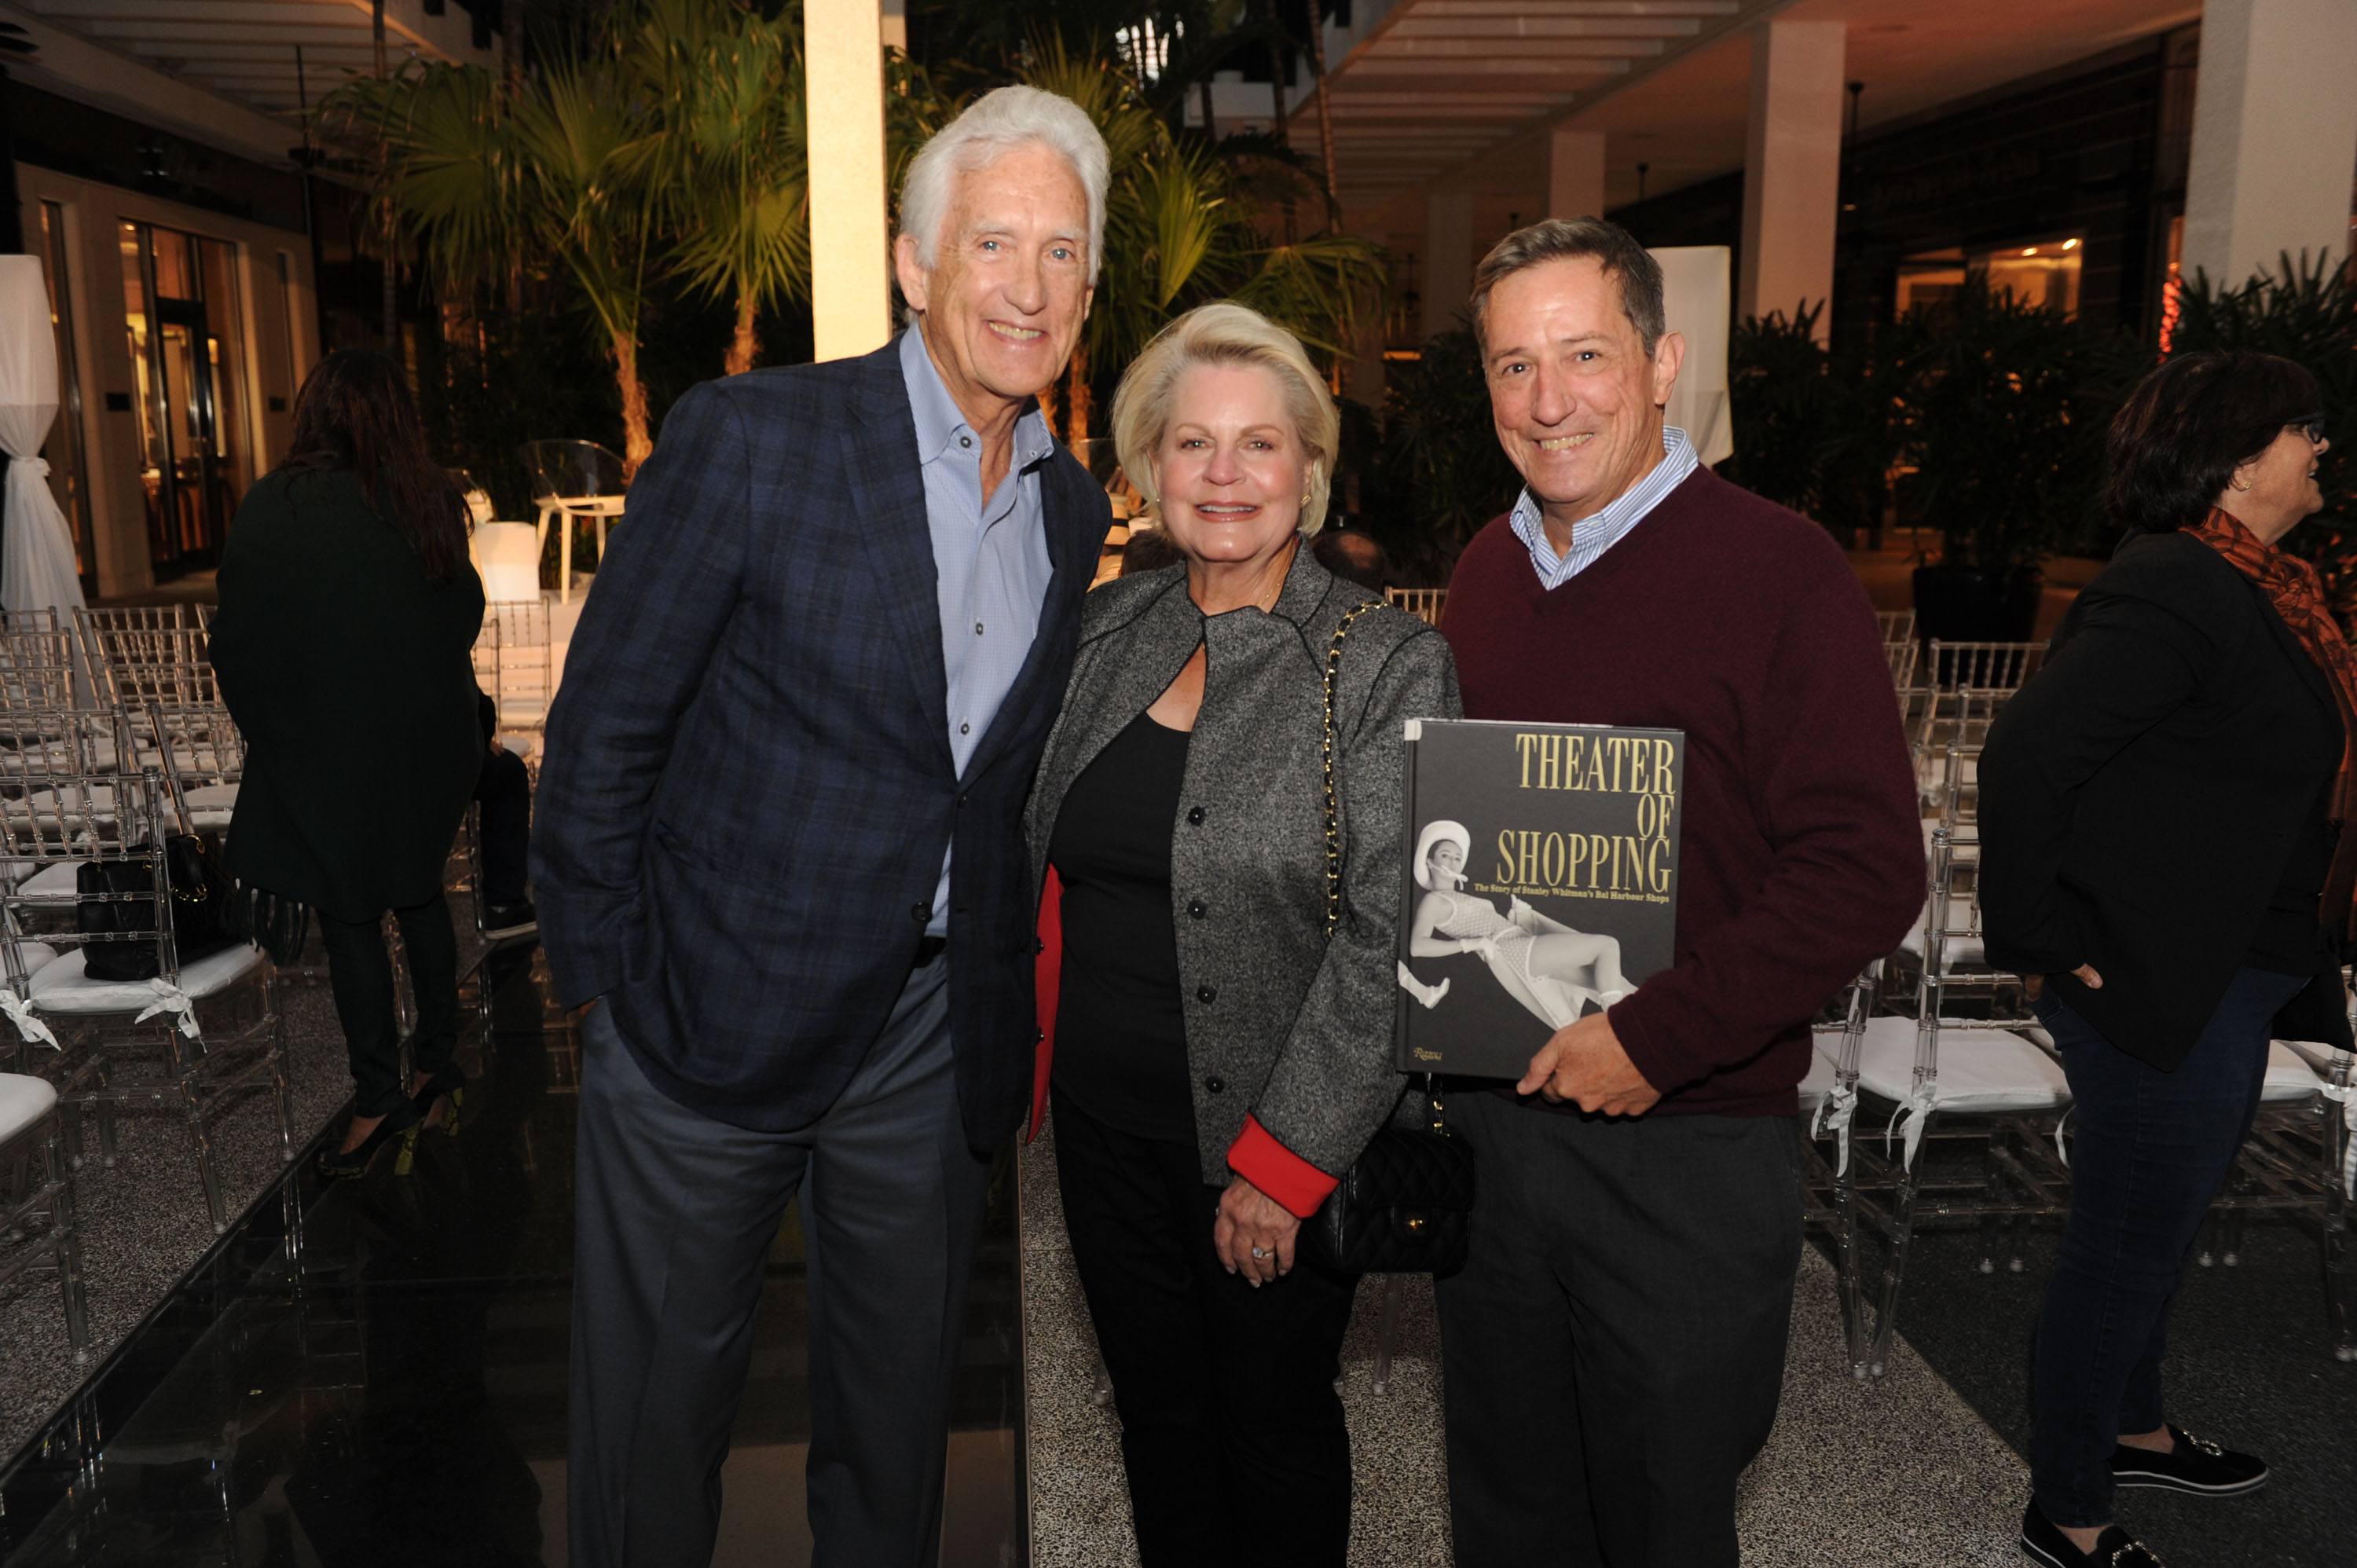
[2161, 855]
[343, 642]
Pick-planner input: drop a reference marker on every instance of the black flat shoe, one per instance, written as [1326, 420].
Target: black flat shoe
[2042, 1541]
[349, 1164]
[2195, 1465]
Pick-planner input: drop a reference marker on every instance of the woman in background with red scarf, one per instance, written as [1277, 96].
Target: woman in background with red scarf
[2162, 853]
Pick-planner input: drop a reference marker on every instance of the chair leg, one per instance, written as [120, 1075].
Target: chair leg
[65, 1239]
[192, 1104]
[1903, 1232]
[281, 1085]
[2206, 1245]
[1849, 1269]
[565, 560]
[1388, 1329]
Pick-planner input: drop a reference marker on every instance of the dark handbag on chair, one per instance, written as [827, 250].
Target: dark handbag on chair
[1405, 1206]
[202, 923]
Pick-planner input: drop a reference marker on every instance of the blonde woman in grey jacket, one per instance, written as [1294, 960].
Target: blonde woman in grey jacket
[1216, 1061]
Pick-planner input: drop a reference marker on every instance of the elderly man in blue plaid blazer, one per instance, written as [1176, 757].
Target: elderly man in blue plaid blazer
[780, 847]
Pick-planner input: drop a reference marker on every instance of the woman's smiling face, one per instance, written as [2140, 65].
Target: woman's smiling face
[1446, 862]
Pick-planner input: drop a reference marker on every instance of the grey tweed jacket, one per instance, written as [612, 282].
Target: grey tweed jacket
[1281, 1023]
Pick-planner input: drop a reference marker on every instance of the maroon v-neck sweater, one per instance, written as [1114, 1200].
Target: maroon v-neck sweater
[1800, 854]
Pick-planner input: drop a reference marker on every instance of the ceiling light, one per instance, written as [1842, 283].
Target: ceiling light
[2070, 244]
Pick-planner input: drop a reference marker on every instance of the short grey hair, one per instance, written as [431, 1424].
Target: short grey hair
[1571, 239]
[993, 125]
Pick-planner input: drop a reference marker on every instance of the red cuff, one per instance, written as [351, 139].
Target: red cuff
[1294, 1182]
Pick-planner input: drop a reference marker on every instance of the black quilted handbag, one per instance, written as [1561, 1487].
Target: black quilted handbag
[1405, 1206]
[117, 896]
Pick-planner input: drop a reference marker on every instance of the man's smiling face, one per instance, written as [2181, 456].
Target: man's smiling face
[1576, 398]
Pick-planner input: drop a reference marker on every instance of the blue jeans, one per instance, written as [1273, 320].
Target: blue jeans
[2152, 1150]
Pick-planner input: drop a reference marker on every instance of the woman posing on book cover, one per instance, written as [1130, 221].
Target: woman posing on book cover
[1545, 965]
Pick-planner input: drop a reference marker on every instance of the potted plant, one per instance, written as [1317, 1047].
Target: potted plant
[2004, 407]
[1813, 429]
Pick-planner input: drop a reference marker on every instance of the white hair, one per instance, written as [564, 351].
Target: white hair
[996, 123]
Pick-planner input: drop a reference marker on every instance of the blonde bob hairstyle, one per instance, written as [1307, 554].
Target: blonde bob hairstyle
[1224, 334]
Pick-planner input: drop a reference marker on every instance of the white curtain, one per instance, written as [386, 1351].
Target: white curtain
[37, 560]
[1698, 292]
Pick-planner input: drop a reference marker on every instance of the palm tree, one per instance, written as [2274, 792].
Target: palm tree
[733, 174]
[554, 172]
[1180, 230]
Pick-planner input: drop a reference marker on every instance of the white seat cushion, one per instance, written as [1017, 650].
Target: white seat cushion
[54, 884]
[1963, 854]
[24, 1100]
[2288, 1076]
[60, 986]
[1979, 1070]
[2320, 1059]
[1957, 948]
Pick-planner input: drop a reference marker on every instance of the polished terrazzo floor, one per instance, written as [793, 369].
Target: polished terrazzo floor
[1921, 1468]
[375, 1374]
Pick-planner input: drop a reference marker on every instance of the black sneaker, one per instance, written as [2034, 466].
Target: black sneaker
[504, 920]
[2116, 1547]
[2194, 1465]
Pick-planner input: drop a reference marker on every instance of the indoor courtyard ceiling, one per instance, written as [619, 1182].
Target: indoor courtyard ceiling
[1457, 94]
[241, 54]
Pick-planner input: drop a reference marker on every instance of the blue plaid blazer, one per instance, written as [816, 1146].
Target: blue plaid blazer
[747, 785]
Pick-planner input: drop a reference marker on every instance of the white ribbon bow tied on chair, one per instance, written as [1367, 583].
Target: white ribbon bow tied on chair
[30, 1026]
[170, 998]
[1835, 1112]
[1915, 1113]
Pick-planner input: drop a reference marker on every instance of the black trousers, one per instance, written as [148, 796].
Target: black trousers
[504, 789]
[1230, 1429]
[360, 973]
[1612, 1351]
[675, 1218]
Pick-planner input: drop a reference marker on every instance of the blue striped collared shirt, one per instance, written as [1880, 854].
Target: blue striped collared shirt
[990, 560]
[1592, 536]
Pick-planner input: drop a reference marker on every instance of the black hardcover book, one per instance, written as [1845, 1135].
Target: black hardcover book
[1541, 884]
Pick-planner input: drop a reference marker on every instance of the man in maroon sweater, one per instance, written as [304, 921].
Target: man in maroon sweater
[1613, 1350]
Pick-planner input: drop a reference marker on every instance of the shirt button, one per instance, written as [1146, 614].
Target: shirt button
[965, 440]
[1195, 817]
[977, 629]
[965, 729]
[1195, 907]
[1205, 993]
[1216, 1084]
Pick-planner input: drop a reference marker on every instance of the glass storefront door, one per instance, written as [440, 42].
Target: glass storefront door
[181, 310]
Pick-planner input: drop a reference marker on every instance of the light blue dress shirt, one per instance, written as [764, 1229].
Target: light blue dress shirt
[990, 556]
[1592, 536]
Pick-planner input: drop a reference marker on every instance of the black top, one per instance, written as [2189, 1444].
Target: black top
[2290, 939]
[2142, 796]
[351, 678]
[1121, 1036]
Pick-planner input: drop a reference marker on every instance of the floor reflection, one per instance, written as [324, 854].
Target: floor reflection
[375, 1373]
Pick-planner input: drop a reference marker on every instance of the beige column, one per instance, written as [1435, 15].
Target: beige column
[1575, 174]
[851, 290]
[896, 24]
[1448, 258]
[1792, 168]
[2275, 135]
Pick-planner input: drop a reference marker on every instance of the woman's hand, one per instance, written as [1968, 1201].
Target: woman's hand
[1253, 1234]
[2036, 983]
[1485, 947]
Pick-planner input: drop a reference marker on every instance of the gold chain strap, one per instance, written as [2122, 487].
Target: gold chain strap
[1333, 814]
[1334, 831]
